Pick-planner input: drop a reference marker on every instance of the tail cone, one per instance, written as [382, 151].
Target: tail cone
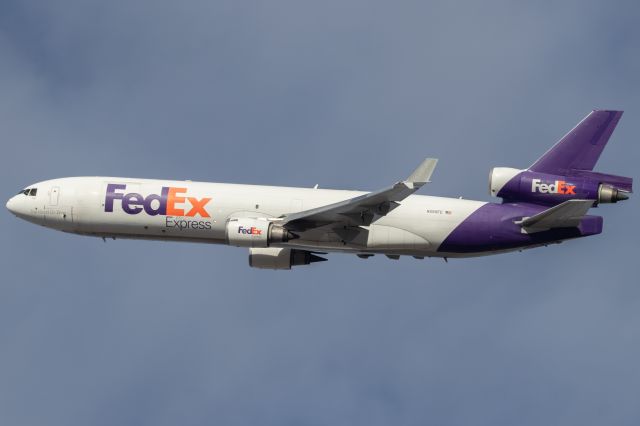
[621, 196]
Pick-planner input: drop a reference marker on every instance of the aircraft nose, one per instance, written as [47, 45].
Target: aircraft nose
[11, 205]
[17, 206]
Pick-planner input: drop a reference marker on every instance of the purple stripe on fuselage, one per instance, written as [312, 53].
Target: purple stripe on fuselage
[492, 227]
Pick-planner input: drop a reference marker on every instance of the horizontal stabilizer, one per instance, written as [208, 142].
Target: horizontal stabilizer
[565, 215]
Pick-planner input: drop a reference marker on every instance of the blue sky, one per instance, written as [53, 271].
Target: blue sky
[345, 94]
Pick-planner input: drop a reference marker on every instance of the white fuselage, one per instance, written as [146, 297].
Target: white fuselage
[199, 212]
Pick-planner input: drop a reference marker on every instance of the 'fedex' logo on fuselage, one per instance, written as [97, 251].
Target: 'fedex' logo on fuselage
[170, 202]
[558, 187]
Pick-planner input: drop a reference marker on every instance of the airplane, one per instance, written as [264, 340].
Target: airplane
[283, 227]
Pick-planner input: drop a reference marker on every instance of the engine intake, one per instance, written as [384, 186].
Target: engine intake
[253, 232]
[499, 177]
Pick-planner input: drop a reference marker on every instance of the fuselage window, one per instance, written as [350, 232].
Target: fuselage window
[33, 192]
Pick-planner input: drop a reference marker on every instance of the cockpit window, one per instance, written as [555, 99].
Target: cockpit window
[29, 191]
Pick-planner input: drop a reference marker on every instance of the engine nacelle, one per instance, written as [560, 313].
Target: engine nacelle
[499, 177]
[541, 188]
[253, 232]
[280, 258]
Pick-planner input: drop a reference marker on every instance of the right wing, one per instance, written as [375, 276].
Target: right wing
[364, 209]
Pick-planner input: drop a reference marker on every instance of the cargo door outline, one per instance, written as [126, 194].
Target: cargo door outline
[54, 195]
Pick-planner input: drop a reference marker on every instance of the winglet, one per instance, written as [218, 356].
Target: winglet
[422, 174]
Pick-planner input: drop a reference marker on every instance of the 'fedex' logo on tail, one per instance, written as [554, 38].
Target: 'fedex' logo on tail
[559, 187]
[170, 202]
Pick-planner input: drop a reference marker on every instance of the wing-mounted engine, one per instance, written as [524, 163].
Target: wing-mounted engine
[254, 232]
[280, 258]
[550, 189]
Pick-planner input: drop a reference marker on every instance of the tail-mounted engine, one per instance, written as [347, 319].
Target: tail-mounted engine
[280, 258]
[542, 188]
[252, 232]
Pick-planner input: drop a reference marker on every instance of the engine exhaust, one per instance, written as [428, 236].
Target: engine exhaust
[609, 194]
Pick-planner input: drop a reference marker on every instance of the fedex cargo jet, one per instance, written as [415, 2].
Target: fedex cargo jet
[546, 203]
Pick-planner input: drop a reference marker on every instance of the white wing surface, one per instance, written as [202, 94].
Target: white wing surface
[364, 209]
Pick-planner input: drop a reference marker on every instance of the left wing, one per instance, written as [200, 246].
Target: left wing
[364, 209]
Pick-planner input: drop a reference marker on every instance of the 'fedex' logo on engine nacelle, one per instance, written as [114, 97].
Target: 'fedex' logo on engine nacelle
[170, 202]
[558, 187]
[250, 231]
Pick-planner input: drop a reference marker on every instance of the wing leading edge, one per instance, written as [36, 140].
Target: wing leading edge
[364, 209]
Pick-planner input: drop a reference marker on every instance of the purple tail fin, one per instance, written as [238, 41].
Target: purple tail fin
[581, 147]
